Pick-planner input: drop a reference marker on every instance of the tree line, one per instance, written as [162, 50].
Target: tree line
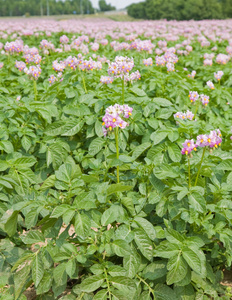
[181, 9]
[49, 7]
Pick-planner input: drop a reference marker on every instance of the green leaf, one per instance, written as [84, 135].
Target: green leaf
[109, 216]
[197, 202]
[193, 260]
[128, 203]
[164, 113]
[21, 278]
[25, 162]
[60, 275]
[55, 128]
[71, 267]
[45, 283]
[174, 153]
[82, 225]
[91, 283]
[162, 102]
[96, 145]
[158, 136]
[59, 210]
[69, 92]
[165, 171]
[118, 187]
[54, 155]
[225, 165]
[11, 223]
[6, 146]
[185, 292]
[144, 243]
[64, 173]
[124, 284]
[101, 295]
[72, 127]
[178, 269]
[121, 248]
[155, 270]
[166, 250]
[138, 91]
[174, 237]
[163, 292]
[33, 236]
[48, 183]
[140, 149]
[20, 261]
[132, 262]
[37, 269]
[26, 143]
[146, 226]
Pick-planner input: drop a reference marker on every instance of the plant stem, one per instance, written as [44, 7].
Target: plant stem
[83, 79]
[200, 166]
[81, 296]
[108, 284]
[150, 289]
[35, 90]
[197, 106]
[123, 90]
[189, 172]
[117, 150]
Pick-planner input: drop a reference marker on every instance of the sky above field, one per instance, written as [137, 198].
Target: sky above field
[117, 3]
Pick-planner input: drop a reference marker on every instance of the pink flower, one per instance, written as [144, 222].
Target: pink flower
[210, 84]
[193, 96]
[188, 147]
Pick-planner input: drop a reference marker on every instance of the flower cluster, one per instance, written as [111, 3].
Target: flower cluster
[218, 75]
[14, 47]
[222, 59]
[120, 66]
[58, 66]
[210, 84]
[90, 65]
[20, 65]
[193, 73]
[188, 147]
[148, 62]
[212, 140]
[115, 117]
[170, 67]
[32, 58]
[193, 96]
[44, 44]
[64, 39]
[106, 79]
[204, 99]
[133, 76]
[95, 46]
[32, 51]
[1, 65]
[52, 79]
[184, 116]
[208, 62]
[33, 71]
[160, 61]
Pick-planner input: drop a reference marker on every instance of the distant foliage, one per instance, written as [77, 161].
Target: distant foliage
[35, 7]
[181, 9]
[104, 6]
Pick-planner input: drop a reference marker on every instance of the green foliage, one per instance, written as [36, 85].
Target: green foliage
[104, 6]
[42, 7]
[180, 9]
[66, 225]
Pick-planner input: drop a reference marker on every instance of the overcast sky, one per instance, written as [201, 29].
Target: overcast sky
[117, 3]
